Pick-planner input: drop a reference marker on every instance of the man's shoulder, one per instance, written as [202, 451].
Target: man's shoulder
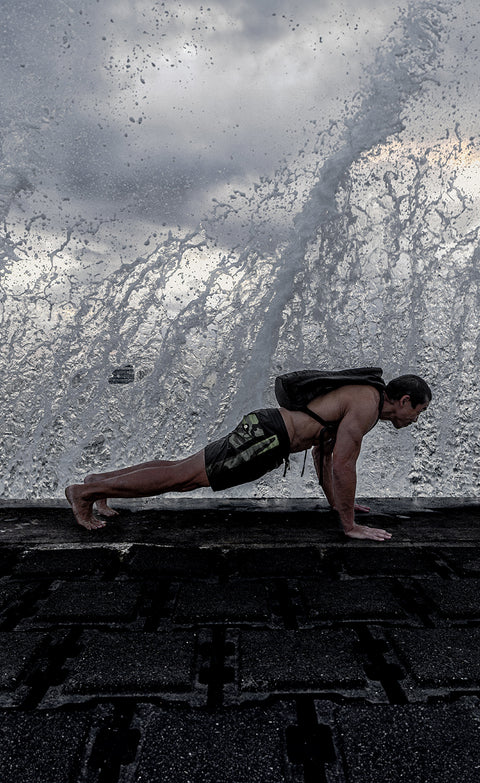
[356, 394]
[361, 403]
[357, 391]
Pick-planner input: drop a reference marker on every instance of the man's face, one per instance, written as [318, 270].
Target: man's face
[404, 414]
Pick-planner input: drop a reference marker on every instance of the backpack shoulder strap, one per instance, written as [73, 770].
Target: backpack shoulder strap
[318, 418]
[315, 416]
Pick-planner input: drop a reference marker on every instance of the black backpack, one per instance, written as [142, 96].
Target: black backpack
[296, 389]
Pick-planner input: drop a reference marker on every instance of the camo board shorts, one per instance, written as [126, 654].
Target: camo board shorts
[257, 445]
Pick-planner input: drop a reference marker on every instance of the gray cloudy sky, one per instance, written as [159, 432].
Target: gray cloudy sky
[159, 102]
[155, 108]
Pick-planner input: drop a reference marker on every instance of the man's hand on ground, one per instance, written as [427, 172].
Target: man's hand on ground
[372, 533]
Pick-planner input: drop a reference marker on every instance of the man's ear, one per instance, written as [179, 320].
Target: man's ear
[404, 399]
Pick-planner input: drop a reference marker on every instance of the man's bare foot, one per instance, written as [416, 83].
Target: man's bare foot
[101, 505]
[82, 508]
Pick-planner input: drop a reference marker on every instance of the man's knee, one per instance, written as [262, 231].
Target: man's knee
[194, 472]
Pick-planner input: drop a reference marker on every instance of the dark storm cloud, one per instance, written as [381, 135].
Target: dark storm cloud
[152, 100]
[158, 189]
[159, 102]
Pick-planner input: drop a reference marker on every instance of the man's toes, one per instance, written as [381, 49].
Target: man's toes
[92, 524]
[104, 509]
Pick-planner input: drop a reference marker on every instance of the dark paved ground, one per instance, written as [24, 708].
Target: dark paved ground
[240, 642]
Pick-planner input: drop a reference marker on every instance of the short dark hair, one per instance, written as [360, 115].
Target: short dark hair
[418, 390]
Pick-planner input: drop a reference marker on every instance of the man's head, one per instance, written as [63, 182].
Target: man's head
[408, 396]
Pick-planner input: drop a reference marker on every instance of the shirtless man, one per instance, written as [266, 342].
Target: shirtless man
[261, 442]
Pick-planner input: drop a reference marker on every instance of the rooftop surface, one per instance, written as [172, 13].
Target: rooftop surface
[240, 642]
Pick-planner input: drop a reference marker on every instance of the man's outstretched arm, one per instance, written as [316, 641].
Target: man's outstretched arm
[344, 473]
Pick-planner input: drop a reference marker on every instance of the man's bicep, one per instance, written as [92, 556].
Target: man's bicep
[349, 439]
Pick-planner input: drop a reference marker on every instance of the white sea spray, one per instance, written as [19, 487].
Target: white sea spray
[363, 249]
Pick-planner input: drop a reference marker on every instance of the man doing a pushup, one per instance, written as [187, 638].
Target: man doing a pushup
[262, 441]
